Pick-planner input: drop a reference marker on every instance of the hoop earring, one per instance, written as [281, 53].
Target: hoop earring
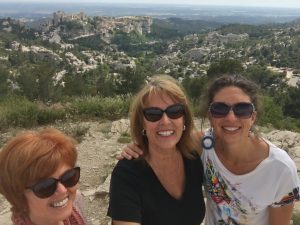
[144, 132]
[208, 141]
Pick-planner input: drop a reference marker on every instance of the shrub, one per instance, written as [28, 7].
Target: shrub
[124, 138]
[296, 219]
[49, 115]
[110, 108]
[271, 112]
[77, 132]
[102, 107]
[18, 112]
[85, 106]
[115, 108]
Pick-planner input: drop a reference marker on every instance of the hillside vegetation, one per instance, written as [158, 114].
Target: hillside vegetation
[73, 71]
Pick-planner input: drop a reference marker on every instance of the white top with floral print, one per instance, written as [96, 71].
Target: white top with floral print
[244, 199]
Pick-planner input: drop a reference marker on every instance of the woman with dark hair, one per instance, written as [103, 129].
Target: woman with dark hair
[248, 179]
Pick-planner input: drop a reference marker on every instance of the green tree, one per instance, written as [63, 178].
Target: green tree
[224, 66]
[106, 82]
[129, 81]
[45, 73]
[74, 85]
[271, 112]
[17, 59]
[4, 75]
[292, 102]
[28, 83]
[194, 86]
[264, 77]
[36, 82]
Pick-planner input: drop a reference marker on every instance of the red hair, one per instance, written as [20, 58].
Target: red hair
[29, 157]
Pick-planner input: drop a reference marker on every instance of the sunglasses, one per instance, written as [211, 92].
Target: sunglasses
[242, 110]
[47, 187]
[154, 114]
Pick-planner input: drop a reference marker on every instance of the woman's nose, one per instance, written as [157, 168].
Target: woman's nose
[60, 187]
[231, 115]
[165, 118]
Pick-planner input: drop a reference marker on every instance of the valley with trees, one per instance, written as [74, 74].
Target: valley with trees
[78, 73]
[89, 67]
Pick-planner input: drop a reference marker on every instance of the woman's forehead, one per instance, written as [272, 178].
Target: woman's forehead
[229, 94]
[159, 97]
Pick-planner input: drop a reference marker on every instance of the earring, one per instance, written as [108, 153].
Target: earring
[184, 127]
[144, 132]
[208, 140]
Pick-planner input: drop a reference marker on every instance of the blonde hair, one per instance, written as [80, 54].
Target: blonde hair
[29, 157]
[162, 84]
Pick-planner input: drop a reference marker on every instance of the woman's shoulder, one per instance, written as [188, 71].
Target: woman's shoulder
[132, 167]
[280, 157]
[194, 160]
[78, 210]
[277, 153]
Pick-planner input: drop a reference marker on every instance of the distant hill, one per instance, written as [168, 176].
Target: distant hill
[219, 14]
[172, 27]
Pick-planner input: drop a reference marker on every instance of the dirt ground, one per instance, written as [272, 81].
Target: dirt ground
[97, 157]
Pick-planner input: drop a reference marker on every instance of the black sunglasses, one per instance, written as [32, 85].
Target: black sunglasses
[47, 187]
[242, 110]
[154, 114]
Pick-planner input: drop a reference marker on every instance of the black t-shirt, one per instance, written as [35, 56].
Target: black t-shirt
[136, 195]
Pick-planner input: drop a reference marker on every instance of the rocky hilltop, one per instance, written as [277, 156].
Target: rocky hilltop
[97, 157]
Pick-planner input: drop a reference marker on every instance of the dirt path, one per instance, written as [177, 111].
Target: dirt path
[97, 158]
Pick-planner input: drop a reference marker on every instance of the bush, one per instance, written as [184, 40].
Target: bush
[77, 131]
[115, 108]
[18, 112]
[124, 138]
[101, 107]
[85, 106]
[296, 219]
[271, 113]
[49, 115]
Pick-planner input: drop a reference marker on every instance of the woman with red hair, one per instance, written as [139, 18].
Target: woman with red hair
[38, 176]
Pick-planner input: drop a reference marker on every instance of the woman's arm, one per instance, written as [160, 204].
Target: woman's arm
[281, 215]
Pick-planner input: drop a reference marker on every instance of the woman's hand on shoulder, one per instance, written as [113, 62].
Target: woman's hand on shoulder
[130, 151]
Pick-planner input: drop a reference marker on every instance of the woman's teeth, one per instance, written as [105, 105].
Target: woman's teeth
[60, 203]
[165, 133]
[231, 128]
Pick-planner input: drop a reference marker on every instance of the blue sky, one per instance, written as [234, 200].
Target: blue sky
[262, 3]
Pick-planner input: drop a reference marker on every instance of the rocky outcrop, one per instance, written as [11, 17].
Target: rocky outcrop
[196, 54]
[214, 38]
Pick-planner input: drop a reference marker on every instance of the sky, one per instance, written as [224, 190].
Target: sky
[260, 3]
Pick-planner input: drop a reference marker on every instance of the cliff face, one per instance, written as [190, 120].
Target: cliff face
[97, 152]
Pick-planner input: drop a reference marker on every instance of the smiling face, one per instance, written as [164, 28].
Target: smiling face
[165, 133]
[231, 129]
[55, 208]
